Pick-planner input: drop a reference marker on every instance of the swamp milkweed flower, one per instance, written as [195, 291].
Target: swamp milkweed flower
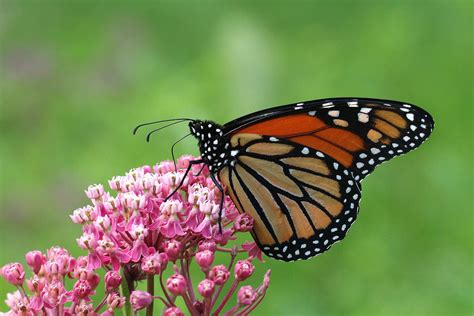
[135, 233]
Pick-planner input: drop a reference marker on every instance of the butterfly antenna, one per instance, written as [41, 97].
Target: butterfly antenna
[157, 122]
[160, 128]
[172, 150]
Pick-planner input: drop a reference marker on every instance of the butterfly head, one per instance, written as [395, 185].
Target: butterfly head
[213, 145]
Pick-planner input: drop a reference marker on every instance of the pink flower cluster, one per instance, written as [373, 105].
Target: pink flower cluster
[49, 295]
[138, 234]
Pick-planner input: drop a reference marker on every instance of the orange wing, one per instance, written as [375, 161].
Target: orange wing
[297, 169]
[358, 135]
[301, 202]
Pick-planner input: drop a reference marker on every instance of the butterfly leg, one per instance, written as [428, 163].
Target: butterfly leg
[221, 203]
[191, 163]
[200, 171]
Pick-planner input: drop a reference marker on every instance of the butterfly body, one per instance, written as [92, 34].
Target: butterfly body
[213, 145]
[296, 169]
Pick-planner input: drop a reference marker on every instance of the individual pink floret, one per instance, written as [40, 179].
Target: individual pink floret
[243, 270]
[246, 295]
[176, 284]
[112, 280]
[173, 311]
[35, 259]
[13, 273]
[205, 258]
[140, 299]
[206, 288]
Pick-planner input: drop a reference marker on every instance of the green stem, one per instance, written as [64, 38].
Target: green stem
[127, 288]
[150, 286]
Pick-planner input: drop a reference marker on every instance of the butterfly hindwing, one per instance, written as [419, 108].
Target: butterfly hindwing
[302, 200]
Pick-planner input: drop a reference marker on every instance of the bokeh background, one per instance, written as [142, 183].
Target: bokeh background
[76, 77]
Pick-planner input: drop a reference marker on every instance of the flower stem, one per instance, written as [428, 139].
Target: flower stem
[223, 249]
[127, 288]
[171, 302]
[187, 275]
[189, 305]
[163, 300]
[150, 286]
[102, 303]
[226, 298]
[252, 306]
[219, 290]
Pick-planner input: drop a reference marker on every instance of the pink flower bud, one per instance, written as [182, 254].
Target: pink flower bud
[94, 191]
[13, 273]
[204, 258]
[93, 279]
[176, 284]
[243, 223]
[112, 280]
[173, 311]
[206, 288]
[207, 245]
[140, 300]
[246, 295]
[35, 260]
[172, 248]
[266, 280]
[243, 269]
[219, 274]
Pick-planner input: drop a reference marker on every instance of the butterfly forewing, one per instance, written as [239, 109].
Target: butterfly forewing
[302, 200]
[358, 133]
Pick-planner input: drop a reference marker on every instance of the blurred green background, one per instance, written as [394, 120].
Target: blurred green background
[76, 77]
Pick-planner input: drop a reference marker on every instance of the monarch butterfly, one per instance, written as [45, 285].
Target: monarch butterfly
[297, 168]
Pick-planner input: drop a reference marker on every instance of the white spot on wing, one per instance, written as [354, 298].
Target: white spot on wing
[362, 117]
[352, 104]
[374, 150]
[334, 113]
